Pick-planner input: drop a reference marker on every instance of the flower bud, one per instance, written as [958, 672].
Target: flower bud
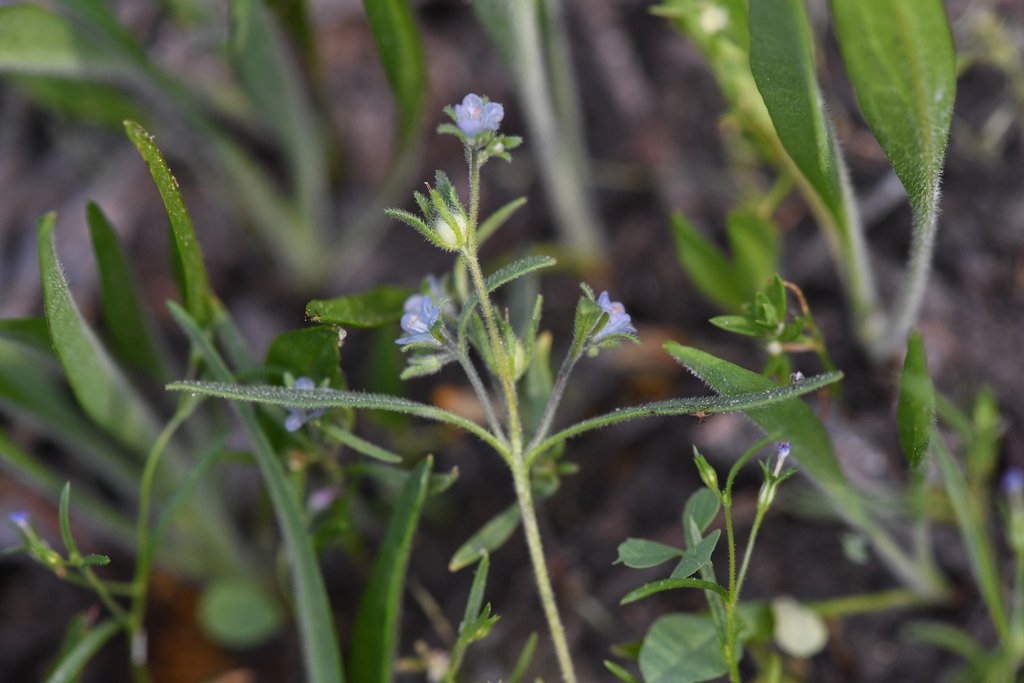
[706, 471]
[451, 236]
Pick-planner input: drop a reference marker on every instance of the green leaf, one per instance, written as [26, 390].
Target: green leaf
[697, 557]
[375, 308]
[498, 219]
[130, 332]
[640, 553]
[766, 394]
[64, 517]
[375, 632]
[37, 41]
[30, 332]
[401, 53]
[39, 394]
[663, 585]
[902, 66]
[754, 242]
[525, 657]
[98, 384]
[332, 398]
[273, 82]
[620, 672]
[707, 266]
[972, 527]
[739, 324]
[682, 648]
[489, 538]
[71, 664]
[782, 62]
[309, 352]
[83, 100]
[367, 448]
[193, 281]
[238, 613]
[316, 626]
[472, 619]
[701, 509]
[516, 270]
[915, 411]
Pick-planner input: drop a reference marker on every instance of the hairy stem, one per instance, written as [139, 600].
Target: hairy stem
[524, 495]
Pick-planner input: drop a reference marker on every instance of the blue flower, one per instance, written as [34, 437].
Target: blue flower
[618, 319]
[420, 315]
[1012, 483]
[474, 116]
[300, 416]
[20, 519]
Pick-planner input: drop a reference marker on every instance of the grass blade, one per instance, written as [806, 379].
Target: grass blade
[274, 84]
[401, 53]
[375, 633]
[131, 334]
[68, 669]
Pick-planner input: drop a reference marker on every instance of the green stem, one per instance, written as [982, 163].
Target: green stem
[729, 647]
[557, 390]
[912, 296]
[481, 393]
[872, 602]
[136, 623]
[517, 462]
[524, 495]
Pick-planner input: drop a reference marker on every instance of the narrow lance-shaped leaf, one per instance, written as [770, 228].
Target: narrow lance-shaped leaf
[38, 394]
[36, 41]
[762, 395]
[274, 83]
[901, 62]
[377, 307]
[71, 665]
[489, 538]
[332, 398]
[980, 554]
[401, 53]
[130, 332]
[98, 384]
[375, 633]
[707, 266]
[782, 61]
[915, 411]
[189, 259]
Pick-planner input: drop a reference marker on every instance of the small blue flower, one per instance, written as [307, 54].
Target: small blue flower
[300, 416]
[19, 519]
[618, 319]
[474, 116]
[1012, 482]
[785, 448]
[420, 315]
